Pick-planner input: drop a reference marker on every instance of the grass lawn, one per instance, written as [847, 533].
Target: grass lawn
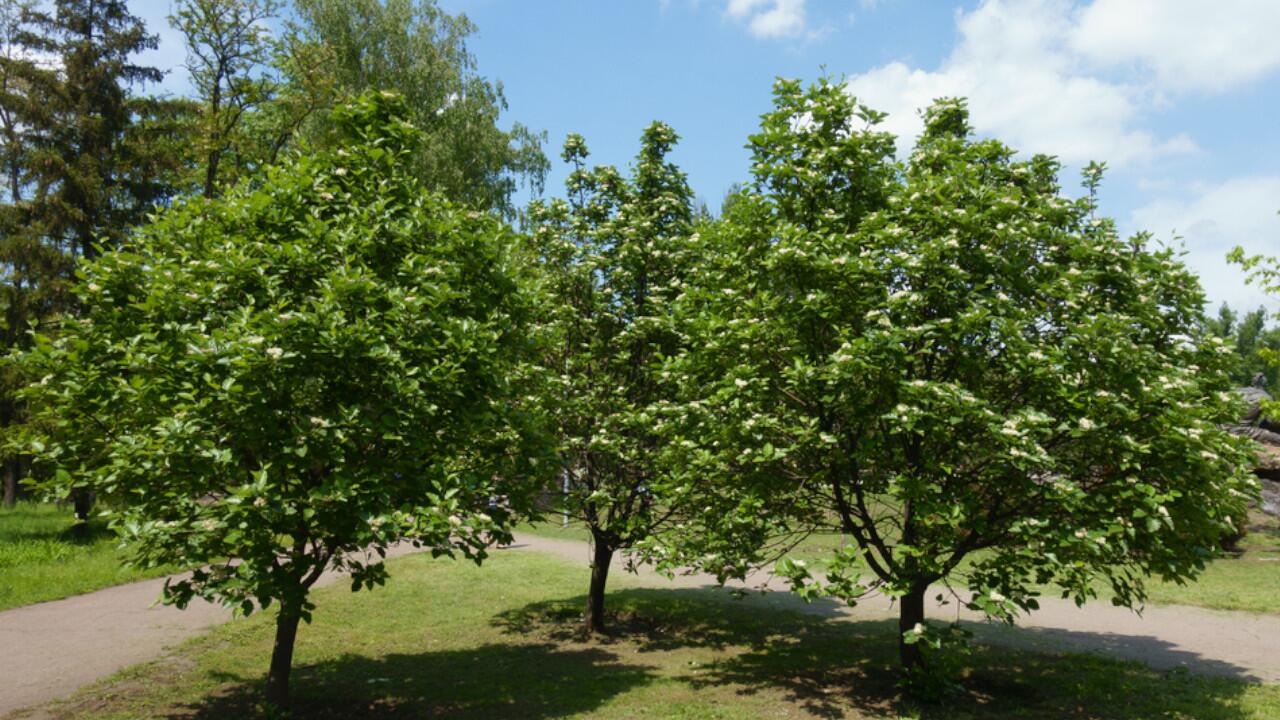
[447, 639]
[39, 560]
[1250, 582]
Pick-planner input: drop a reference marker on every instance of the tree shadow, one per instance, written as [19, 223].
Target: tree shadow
[664, 618]
[1159, 654]
[833, 668]
[828, 670]
[26, 524]
[87, 533]
[490, 681]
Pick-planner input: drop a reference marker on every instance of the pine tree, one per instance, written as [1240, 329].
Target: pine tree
[81, 120]
[30, 270]
[84, 158]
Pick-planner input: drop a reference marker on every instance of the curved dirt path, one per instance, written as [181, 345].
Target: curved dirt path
[50, 649]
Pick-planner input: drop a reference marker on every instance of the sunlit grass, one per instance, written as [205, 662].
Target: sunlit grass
[447, 639]
[41, 560]
[1248, 582]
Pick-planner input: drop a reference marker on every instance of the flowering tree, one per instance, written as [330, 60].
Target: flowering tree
[291, 378]
[615, 254]
[947, 362]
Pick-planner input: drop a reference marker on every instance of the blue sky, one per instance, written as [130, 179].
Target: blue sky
[1179, 97]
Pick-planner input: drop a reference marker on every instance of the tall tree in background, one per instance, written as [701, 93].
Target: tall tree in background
[93, 171]
[616, 254]
[1256, 345]
[416, 49]
[229, 48]
[15, 70]
[25, 261]
[85, 158]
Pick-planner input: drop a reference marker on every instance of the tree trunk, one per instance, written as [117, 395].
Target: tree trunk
[10, 483]
[82, 501]
[282, 658]
[211, 175]
[911, 612]
[602, 558]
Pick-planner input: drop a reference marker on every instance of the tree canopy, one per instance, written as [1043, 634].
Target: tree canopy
[292, 377]
[971, 377]
[341, 47]
[614, 256]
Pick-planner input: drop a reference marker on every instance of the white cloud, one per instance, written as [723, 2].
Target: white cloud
[1240, 211]
[1189, 45]
[770, 19]
[1076, 81]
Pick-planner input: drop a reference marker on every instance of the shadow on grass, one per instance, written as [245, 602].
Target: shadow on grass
[491, 681]
[834, 668]
[36, 523]
[87, 533]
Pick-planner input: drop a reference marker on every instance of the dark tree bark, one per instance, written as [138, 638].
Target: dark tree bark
[10, 483]
[282, 658]
[910, 612]
[82, 502]
[601, 559]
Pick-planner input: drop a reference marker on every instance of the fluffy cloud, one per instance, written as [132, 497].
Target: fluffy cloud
[769, 18]
[1241, 211]
[1188, 45]
[1075, 81]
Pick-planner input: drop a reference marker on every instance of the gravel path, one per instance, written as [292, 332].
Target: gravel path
[50, 649]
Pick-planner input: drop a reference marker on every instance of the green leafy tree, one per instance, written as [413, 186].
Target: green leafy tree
[615, 255]
[291, 378]
[229, 49]
[337, 48]
[969, 376]
[1255, 343]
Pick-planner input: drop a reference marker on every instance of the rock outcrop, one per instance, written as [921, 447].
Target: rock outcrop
[1256, 426]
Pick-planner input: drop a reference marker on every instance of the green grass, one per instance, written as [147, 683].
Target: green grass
[1249, 582]
[447, 639]
[40, 560]
[551, 529]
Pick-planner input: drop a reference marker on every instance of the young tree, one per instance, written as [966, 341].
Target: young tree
[945, 361]
[294, 376]
[414, 48]
[229, 47]
[615, 255]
